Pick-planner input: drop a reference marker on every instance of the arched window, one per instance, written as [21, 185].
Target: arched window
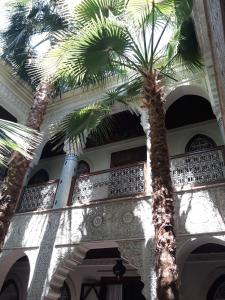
[83, 168]
[199, 142]
[65, 292]
[217, 290]
[9, 290]
[40, 177]
[16, 281]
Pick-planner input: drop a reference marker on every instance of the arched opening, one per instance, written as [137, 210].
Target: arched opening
[39, 177]
[197, 277]
[200, 142]
[187, 110]
[217, 289]
[51, 149]
[83, 168]
[121, 126]
[10, 291]
[16, 281]
[100, 280]
[5, 115]
[102, 274]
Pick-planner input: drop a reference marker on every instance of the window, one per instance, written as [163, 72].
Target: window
[130, 156]
[83, 168]
[199, 142]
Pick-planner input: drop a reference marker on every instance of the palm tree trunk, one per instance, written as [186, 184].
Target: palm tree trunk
[162, 193]
[13, 183]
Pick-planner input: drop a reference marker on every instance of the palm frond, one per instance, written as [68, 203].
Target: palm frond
[96, 118]
[27, 21]
[188, 51]
[95, 54]
[17, 137]
[76, 126]
[93, 9]
[183, 9]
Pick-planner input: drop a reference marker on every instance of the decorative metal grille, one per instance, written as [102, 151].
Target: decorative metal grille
[109, 184]
[200, 142]
[38, 197]
[126, 181]
[197, 168]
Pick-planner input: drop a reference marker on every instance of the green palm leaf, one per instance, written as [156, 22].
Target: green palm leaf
[16, 137]
[26, 22]
[93, 9]
[96, 53]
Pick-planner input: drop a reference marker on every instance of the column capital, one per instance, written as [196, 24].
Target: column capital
[71, 148]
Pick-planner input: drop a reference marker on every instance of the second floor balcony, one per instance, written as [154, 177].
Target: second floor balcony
[187, 171]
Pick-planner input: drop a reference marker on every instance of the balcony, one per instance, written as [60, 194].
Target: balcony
[38, 196]
[198, 168]
[194, 169]
[112, 183]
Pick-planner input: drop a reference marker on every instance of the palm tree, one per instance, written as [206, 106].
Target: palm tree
[141, 40]
[26, 21]
[16, 137]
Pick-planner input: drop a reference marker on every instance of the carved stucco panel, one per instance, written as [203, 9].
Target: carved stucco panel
[196, 209]
[117, 220]
[140, 254]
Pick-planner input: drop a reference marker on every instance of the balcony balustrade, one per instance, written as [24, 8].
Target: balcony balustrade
[38, 196]
[187, 170]
[112, 183]
[198, 168]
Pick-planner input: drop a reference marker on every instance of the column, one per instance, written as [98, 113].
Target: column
[68, 171]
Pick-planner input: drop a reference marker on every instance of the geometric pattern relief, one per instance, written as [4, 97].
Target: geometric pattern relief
[204, 167]
[114, 183]
[108, 221]
[38, 197]
[141, 255]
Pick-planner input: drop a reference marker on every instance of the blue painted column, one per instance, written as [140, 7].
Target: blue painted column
[68, 171]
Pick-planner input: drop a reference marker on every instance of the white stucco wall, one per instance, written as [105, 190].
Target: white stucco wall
[179, 137]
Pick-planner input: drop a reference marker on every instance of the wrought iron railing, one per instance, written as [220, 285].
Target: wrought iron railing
[38, 196]
[198, 168]
[112, 183]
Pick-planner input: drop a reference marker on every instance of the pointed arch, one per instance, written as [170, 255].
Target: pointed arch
[200, 142]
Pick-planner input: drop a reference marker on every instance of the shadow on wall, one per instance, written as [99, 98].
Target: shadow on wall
[119, 223]
[200, 211]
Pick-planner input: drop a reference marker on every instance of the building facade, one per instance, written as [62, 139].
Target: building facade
[83, 214]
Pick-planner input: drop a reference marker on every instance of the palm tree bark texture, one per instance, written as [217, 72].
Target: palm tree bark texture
[162, 192]
[12, 185]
